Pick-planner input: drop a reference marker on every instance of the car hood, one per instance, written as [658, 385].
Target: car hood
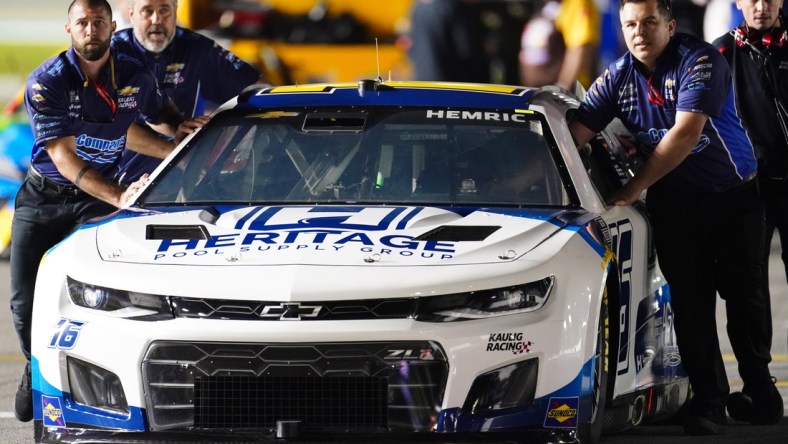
[326, 235]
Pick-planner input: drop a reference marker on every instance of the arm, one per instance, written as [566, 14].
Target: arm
[145, 141]
[173, 124]
[63, 152]
[576, 60]
[669, 153]
[581, 133]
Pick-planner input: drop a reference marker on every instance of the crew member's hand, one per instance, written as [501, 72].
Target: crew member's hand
[625, 195]
[133, 189]
[189, 126]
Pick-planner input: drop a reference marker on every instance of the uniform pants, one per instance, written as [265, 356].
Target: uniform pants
[775, 196]
[709, 244]
[42, 218]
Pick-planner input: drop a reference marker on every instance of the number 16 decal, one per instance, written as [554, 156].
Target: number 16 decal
[66, 333]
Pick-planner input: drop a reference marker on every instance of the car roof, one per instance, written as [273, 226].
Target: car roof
[392, 93]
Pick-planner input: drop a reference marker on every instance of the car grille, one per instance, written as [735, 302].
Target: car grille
[373, 386]
[286, 311]
[243, 402]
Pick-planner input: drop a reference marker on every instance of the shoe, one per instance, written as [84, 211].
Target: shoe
[710, 422]
[764, 407]
[704, 417]
[23, 402]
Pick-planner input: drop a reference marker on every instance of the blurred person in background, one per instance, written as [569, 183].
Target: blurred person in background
[447, 42]
[120, 13]
[720, 16]
[559, 45]
[84, 105]
[757, 52]
[191, 69]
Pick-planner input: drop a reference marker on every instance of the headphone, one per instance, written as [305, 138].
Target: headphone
[760, 41]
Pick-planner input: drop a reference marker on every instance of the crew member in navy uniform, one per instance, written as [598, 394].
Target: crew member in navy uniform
[757, 53]
[191, 69]
[83, 104]
[674, 93]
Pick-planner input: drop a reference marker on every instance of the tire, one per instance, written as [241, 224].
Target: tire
[590, 433]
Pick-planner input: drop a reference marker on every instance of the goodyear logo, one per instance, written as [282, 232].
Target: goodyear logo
[562, 413]
[52, 411]
[174, 67]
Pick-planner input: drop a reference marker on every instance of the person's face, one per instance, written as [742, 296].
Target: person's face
[90, 30]
[646, 30]
[154, 23]
[760, 14]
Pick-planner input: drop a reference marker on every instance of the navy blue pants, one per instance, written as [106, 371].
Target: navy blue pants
[42, 218]
[709, 244]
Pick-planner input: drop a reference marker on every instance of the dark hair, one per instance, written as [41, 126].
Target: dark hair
[663, 5]
[93, 4]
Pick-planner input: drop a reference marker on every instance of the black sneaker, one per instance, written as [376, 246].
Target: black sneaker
[764, 407]
[23, 402]
[709, 422]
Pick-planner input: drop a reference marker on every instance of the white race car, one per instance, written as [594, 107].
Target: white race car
[392, 260]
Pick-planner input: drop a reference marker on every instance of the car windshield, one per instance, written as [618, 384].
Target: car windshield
[375, 155]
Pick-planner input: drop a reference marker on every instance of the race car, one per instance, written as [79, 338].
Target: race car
[380, 260]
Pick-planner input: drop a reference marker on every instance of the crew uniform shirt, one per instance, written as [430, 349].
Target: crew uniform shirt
[761, 78]
[192, 69]
[689, 76]
[61, 101]
[184, 65]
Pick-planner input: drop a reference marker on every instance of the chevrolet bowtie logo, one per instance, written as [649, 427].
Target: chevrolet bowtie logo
[290, 311]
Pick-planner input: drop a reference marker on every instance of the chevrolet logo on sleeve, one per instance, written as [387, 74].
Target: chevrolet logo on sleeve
[290, 311]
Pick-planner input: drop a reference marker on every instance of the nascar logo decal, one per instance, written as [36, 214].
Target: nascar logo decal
[53, 412]
[562, 413]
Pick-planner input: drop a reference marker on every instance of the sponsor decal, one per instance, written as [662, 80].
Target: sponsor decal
[562, 413]
[628, 98]
[129, 90]
[127, 102]
[701, 66]
[95, 143]
[697, 86]
[702, 59]
[37, 87]
[52, 411]
[476, 115]
[784, 64]
[670, 90]
[175, 67]
[700, 76]
[512, 342]
[38, 98]
[277, 229]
